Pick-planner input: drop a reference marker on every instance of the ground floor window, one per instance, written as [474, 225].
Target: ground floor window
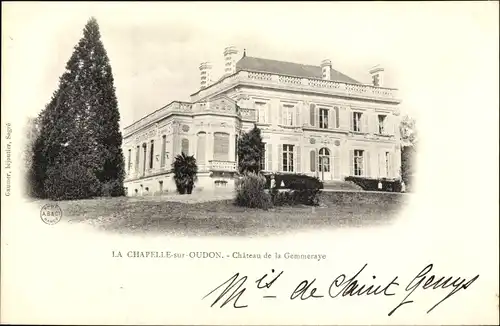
[288, 158]
[358, 162]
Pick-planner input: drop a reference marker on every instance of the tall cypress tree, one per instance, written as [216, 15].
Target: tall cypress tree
[78, 154]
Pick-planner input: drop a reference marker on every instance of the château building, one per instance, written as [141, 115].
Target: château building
[314, 120]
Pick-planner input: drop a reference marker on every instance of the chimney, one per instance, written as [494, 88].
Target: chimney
[205, 74]
[326, 69]
[230, 57]
[377, 74]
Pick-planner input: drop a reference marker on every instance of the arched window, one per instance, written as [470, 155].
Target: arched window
[185, 146]
[324, 160]
[201, 145]
[221, 146]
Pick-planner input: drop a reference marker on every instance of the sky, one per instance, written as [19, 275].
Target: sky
[430, 51]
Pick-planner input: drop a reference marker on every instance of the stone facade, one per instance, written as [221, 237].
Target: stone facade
[312, 125]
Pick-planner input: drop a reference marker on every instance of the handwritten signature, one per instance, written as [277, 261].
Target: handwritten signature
[232, 290]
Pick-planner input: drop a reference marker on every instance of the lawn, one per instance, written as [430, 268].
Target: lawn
[133, 215]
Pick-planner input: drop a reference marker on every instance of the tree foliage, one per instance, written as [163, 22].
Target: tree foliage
[250, 151]
[79, 128]
[185, 170]
[409, 138]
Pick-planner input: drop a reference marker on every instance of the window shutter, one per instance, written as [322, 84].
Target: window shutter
[297, 115]
[365, 120]
[351, 161]
[297, 159]
[337, 117]
[280, 121]
[336, 164]
[268, 115]
[280, 157]
[312, 160]
[367, 164]
[351, 118]
[312, 115]
[331, 119]
[390, 173]
[269, 153]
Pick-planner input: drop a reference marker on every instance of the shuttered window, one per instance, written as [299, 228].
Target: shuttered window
[163, 149]
[312, 158]
[137, 155]
[200, 150]
[263, 158]
[185, 146]
[151, 154]
[221, 146]
[337, 117]
[312, 114]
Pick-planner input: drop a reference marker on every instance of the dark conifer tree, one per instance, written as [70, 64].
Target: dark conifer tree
[78, 153]
[250, 151]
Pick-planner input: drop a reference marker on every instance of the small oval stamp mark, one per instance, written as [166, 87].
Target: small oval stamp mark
[51, 214]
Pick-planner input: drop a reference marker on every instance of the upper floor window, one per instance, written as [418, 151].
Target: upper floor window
[287, 114]
[323, 118]
[381, 124]
[356, 121]
[288, 158]
[261, 112]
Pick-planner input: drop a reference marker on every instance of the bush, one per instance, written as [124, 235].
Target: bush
[303, 189]
[250, 192]
[289, 180]
[372, 184]
[112, 189]
[71, 181]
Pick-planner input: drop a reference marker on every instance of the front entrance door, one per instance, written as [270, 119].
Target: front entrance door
[325, 164]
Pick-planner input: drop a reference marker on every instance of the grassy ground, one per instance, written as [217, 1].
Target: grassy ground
[130, 215]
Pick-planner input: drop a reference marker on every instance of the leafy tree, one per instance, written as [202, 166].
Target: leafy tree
[409, 138]
[250, 151]
[79, 128]
[185, 170]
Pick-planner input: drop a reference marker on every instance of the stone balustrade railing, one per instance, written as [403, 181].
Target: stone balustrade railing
[224, 166]
[309, 84]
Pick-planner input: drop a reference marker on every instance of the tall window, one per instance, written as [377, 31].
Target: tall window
[288, 158]
[261, 112]
[323, 118]
[358, 162]
[324, 160]
[145, 149]
[381, 124]
[129, 160]
[185, 146]
[151, 154]
[387, 163]
[137, 155]
[287, 114]
[200, 151]
[356, 121]
[221, 146]
[337, 117]
[163, 149]
[263, 157]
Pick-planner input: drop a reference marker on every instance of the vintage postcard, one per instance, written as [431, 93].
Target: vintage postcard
[249, 163]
